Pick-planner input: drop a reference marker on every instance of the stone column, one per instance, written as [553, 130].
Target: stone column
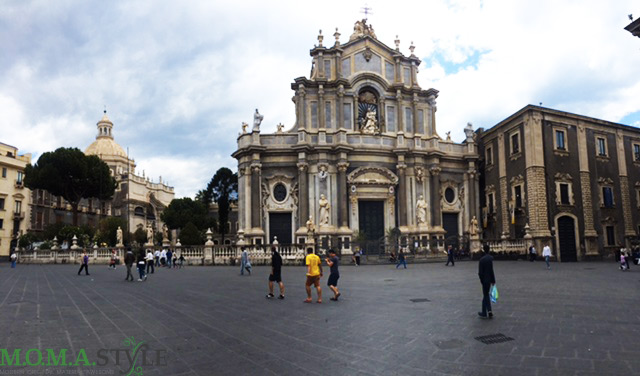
[402, 193]
[342, 194]
[471, 202]
[303, 193]
[414, 109]
[399, 113]
[256, 205]
[436, 215]
[321, 113]
[302, 109]
[340, 109]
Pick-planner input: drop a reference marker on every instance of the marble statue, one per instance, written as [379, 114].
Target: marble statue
[257, 120]
[370, 123]
[421, 211]
[448, 136]
[310, 226]
[119, 236]
[360, 29]
[165, 232]
[244, 127]
[322, 174]
[149, 234]
[473, 227]
[280, 127]
[325, 208]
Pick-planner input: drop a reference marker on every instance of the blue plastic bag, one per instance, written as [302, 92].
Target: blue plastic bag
[493, 294]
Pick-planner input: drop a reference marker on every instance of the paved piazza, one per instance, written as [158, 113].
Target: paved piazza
[577, 319]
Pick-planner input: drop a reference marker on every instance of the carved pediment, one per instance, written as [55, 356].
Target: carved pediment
[563, 177]
[517, 180]
[605, 181]
[372, 176]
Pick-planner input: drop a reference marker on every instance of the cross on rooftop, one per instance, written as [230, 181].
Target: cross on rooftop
[366, 10]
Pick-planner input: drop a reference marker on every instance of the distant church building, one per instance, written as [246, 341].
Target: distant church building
[137, 199]
[362, 158]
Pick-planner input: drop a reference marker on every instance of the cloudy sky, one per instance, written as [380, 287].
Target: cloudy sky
[179, 77]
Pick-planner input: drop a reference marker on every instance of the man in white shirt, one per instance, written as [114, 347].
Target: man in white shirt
[157, 255]
[546, 253]
[163, 257]
[149, 259]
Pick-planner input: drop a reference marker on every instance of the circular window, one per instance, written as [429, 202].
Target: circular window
[279, 192]
[449, 195]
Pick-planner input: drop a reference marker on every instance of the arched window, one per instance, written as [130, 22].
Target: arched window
[139, 211]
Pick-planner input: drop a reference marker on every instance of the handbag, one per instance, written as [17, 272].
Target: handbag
[493, 294]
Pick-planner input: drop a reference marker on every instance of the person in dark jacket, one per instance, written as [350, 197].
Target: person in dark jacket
[141, 266]
[276, 274]
[450, 256]
[487, 279]
[129, 259]
[85, 264]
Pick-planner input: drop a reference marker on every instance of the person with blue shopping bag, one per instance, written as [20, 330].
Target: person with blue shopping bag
[488, 280]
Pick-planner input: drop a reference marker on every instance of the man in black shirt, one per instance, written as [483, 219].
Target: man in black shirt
[332, 261]
[275, 276]
[487, 279]
[129, 259]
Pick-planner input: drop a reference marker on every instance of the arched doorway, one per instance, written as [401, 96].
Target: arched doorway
[567, 238]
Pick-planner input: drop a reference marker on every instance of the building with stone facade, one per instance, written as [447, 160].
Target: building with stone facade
[574, 180]
[137, 199]
[14, 198]
[634, 28]
[363, 156]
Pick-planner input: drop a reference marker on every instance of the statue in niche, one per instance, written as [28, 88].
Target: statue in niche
[325, 208]
[370, 123]
[257, 120]
[473, 227]
[421, 211]
[368, 112]
[322, 174]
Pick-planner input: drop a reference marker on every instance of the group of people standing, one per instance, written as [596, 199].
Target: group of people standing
[145, 262]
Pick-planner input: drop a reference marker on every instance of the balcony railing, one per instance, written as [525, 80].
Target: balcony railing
[19, 184]
[18, 215]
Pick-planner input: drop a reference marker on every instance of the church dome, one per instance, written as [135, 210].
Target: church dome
[105, 145]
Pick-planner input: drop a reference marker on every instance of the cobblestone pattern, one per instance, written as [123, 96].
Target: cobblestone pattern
[212, 321]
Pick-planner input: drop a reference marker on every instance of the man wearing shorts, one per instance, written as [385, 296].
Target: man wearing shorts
[332, 261]
[275, 276]
[314, 272]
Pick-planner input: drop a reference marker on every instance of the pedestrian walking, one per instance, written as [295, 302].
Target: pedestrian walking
[450, 257]
[149, 259]
[356, 257]
[334, 274]
[85, 263]
[532, 253]
[175, 259]
[112, 261]
[163, 258]
[546, 253]
[314, 273]
[14, 258]
[276, 274]
[623, 265]
[169, 258]
[181, 260]
[487, 279]
[245, 263]
[156, 254]
[401, 259]
[141, 266]
[626, 259]
[129, 259]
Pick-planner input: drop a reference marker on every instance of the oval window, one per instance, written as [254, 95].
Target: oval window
[279, 192]
[449, 195]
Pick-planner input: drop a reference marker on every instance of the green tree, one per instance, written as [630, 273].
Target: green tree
[184, 210]
[223, 189]
[69, 173]
[140, 236]
[190, 235]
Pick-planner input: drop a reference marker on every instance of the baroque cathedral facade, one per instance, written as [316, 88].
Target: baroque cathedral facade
[362, 158]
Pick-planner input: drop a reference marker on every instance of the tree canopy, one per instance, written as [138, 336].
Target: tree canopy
[222, 189]
[184, 210]
[72, 175]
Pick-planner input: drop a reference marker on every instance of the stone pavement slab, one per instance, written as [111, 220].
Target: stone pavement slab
[577, 319]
